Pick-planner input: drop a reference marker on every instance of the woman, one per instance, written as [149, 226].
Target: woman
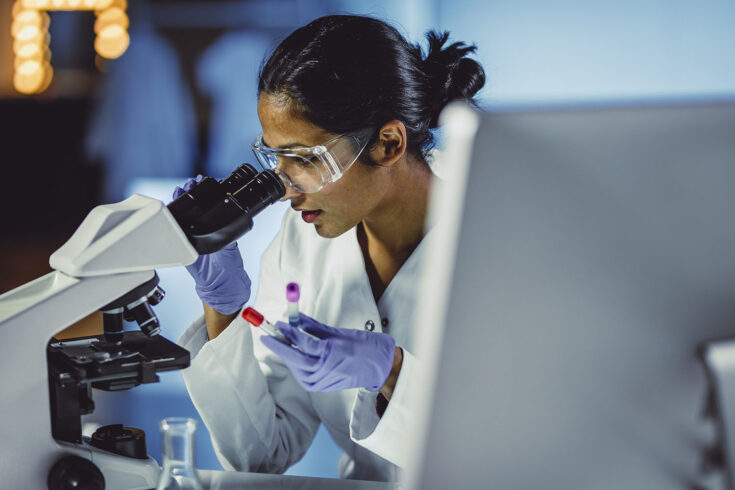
[346, 105]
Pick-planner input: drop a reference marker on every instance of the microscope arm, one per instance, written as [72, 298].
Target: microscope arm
[29, 316]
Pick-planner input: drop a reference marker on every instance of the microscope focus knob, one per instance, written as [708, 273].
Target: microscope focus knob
[75, 473]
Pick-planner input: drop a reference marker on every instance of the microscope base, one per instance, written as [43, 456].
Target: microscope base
[120, 472]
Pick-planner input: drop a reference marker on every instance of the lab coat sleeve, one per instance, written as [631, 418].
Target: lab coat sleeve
[387, 436]
[258, 417]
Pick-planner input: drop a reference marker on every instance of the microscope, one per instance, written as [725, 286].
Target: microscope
[108, 265]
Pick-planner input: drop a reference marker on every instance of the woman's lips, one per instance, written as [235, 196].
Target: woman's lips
[310, 216]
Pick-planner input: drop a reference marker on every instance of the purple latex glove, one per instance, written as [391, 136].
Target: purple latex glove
[343, 358]
[220, 278]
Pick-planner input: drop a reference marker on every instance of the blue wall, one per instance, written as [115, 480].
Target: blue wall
[537, 51]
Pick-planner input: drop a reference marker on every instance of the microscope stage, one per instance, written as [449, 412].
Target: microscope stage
[114, 367]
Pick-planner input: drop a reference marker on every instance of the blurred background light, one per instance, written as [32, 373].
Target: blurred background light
[29, 30]
[24, 19]
[42, 41]
[111, 41]
[29, 76]
[28, 51]
[32, 52]
[111, 16]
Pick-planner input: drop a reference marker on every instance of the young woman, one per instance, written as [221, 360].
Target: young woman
[346, 105]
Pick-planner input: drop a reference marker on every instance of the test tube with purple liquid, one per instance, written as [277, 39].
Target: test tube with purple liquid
[292, 310]
[292, 297]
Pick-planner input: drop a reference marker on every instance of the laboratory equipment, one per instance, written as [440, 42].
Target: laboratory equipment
[292, 300]
[582, 255]
[293, 294]
[109, 265]
[220, 279]
[256, 319]
[179, 471]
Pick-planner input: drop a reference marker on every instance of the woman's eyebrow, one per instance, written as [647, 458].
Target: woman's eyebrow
[286, 145]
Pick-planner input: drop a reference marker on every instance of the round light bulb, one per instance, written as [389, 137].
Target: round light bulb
[112, 41]
[112, 31]
[23, 21]
[28, 77]
[113, 15]
[27, 33]
[27, 17]
[57, 4]
[42, 41]
[25, 4]
[29, 67]
[29, 50]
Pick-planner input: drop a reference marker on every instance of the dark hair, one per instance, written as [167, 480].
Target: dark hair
[344, 73]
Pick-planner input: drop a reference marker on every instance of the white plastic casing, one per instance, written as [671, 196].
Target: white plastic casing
[136, 234]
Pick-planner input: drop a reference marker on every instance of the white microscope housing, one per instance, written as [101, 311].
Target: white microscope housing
[108, 264]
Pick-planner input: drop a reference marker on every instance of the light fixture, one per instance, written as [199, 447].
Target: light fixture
[29, 76]
[111, 41]
[33, 72]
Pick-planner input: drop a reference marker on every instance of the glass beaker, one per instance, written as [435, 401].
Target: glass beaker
[177, 434]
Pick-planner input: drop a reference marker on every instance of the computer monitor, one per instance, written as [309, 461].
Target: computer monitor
[593, 252]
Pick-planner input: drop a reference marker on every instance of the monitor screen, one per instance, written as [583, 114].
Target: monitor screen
[592, 252]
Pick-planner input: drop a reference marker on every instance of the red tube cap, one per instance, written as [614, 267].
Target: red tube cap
[252, 316]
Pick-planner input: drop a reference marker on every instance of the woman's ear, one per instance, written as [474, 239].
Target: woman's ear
[391, 144]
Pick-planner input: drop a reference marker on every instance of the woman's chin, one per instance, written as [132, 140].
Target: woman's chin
[328, 230]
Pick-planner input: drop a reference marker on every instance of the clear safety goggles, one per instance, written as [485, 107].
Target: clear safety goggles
[308, 169]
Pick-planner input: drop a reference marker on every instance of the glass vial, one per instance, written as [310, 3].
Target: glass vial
[178, 472]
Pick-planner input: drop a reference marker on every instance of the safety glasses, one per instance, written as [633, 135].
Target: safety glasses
[309, 169]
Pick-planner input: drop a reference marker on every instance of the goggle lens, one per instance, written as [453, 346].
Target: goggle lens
[309, 169]
[304, 174]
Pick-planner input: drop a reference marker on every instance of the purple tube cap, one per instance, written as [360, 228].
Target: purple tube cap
[292, 292]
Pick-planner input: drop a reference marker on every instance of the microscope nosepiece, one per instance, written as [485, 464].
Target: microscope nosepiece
[146, 319]
[156, 296]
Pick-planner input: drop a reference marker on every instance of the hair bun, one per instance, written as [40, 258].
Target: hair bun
[451, 74]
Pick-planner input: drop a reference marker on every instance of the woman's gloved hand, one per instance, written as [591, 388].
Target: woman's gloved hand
[342, 358]
[220, 278]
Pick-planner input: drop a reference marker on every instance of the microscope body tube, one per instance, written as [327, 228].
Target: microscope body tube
[214, 214]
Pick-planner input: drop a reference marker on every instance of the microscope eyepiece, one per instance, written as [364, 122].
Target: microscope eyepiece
[214, 214]
[262, 191]
[239, 177]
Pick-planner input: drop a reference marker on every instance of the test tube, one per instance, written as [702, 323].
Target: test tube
[257, 320]
[292, 309]
[292, 297]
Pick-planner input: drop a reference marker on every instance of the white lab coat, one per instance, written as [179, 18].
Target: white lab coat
[259, 418]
